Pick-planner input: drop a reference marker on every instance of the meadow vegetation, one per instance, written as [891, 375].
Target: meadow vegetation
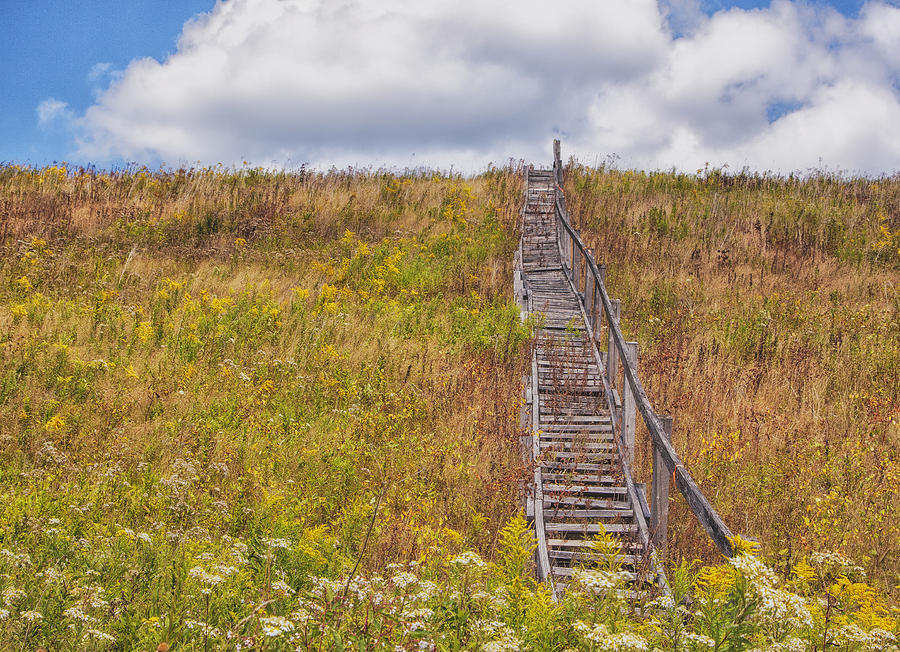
[247, 409]
[768, 315]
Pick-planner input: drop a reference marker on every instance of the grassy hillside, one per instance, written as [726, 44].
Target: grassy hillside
[768, 312]
[243, 409]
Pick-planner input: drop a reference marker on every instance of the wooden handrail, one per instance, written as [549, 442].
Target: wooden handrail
[699, 505]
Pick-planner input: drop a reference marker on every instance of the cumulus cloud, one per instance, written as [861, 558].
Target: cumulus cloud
[467, 82]
[51, 111]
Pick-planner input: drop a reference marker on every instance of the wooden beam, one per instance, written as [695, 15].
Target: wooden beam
[629, 404]
[543, 559]
[612, 355]
[659, 490]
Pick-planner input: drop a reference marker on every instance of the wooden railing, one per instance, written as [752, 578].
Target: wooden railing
[588, 280]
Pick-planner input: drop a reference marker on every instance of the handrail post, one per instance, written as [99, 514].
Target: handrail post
[557, 161]
[659, 490]
[612, 357]
[629, 404]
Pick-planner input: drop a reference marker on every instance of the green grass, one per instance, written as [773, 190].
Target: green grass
[281, 410]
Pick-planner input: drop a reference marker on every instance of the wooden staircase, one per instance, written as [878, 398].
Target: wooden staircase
[580, 488]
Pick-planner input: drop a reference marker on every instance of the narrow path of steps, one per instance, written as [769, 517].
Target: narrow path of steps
[580, 486]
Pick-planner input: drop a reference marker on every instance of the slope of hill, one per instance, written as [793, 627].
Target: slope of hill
[259, 410]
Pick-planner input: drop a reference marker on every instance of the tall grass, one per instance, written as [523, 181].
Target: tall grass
[200, 362]
[768, 313]
[279, 410]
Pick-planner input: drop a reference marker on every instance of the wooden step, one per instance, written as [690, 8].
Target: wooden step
[583, 489]
[568, 571]
[589, 557]
[590, 528]
[588, 513]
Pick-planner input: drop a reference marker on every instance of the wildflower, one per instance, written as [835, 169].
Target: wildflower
[792, 644]
[803, 571]
[206, 628]
[76, 613]
[55, 423]
[12, 595]
[591, 633]
[282, 588]
[624, 642]
[278, 543]
[427, 590]
[32, 616]
[208, 580]
[468, 559]
[404, 580]
[599, 582]
[4, 614]
[101, 636]
[832, 561]
[663, 602]
[226, 571]
[754, 570]
[782, 607]
[699, 640]
[506, 644]
[273, 626]
[419, 613]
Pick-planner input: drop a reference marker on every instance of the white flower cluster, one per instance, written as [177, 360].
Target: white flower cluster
[598, 582]
[779, 607]
[754, 570]
[404, 580]
[282, 544]
[792, 644]
[17, 559]
[699, 641]
[321, 585]
[99, 635]
[282, 588]
[619, 642]
[32, 616]
[205, 628]
[11, 596]
[273, 626]
[207, 580]
[784, 608]
[836, 562]
[76, 613]
[853, 636]
[468, 559]
[507, 643]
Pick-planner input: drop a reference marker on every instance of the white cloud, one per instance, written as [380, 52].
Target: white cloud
[467, 82]
[99, 71]
[50, 111]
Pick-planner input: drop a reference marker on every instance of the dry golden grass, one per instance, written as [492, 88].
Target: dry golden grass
[768, 312]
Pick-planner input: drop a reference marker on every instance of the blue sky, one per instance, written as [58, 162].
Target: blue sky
[846, 7]
[48, 49]
[274, 83]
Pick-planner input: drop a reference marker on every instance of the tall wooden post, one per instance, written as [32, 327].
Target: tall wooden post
[612, 356]
[659, 490]
[629, 404]
[557, 160]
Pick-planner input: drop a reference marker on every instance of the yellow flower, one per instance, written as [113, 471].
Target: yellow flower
[803, 571]
[741, 546]
[55, 423]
